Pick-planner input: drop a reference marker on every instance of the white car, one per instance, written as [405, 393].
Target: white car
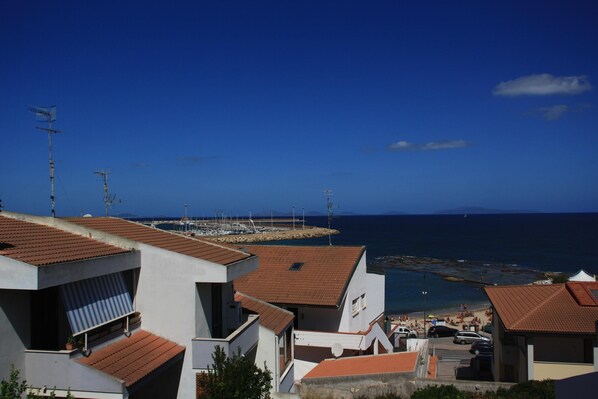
[409, 333]
[468, 337]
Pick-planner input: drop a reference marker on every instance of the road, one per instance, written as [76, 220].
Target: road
[453, 359]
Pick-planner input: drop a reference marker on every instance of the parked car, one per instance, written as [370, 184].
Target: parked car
[406, 332]
[441, 331]
[482, 346]
[468, 337]
[487, 328]
[481, 365]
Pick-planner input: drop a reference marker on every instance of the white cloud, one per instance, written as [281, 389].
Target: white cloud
[433, 145]
[542, 85]
[554, 112]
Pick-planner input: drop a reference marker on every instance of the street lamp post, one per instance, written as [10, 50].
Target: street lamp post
[425, 294]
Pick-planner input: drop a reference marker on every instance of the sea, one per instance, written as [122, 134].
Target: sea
[538, 242]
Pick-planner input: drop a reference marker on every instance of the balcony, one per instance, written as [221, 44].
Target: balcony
[56, 371]
[351, 341]
[245, 337]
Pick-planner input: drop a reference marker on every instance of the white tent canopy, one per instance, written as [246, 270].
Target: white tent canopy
[582, 276]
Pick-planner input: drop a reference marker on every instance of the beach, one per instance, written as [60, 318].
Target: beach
[462, 317]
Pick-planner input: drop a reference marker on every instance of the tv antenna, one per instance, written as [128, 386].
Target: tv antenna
[48, 115]
[108, 199]
[328, 194]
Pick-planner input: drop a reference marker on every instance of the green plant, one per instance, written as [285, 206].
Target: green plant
[560, 278]
[439, 392]
[526, 390]
[235, 377]
[14, 388]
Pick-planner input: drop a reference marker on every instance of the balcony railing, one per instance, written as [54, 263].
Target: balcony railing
[55, 370]
[244, 337]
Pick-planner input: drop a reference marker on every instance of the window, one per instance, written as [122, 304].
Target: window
[363, 302]
[355, 306]
[296, 266]
[285, 350]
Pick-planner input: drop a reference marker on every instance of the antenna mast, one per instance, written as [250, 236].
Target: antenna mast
[328, 194]
[108, 199]
[48, 115]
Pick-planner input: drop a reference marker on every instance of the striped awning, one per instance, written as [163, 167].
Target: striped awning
[96, 301]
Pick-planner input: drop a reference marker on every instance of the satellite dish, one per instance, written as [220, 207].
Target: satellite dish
[337, 349]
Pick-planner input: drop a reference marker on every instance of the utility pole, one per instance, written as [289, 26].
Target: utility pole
[108, 199]
[48, 115]
[328, 194]
[303, 221]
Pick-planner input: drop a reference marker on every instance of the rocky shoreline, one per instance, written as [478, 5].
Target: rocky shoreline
[312, 232]
[464, 271]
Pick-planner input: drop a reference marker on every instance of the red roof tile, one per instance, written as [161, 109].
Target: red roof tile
[133, 358]
[196, 248]
[42, 245]
[403, 362]
[543, 308]
[272, 317]
[321, 280]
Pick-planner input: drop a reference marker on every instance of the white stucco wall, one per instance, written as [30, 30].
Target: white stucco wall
[375, 296]
[357, 287]
[267, 351]
[15, 330]
[174, 298]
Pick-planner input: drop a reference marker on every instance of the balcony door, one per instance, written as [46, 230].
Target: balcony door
[217, 311]
[44, 319]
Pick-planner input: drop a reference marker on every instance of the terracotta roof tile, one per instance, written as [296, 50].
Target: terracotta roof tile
[321, 280]
[133, 358]
[42, 245]
[196, 248]
[403, 362]
[272, 317]
[543, 308]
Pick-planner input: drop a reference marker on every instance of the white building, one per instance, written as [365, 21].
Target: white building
[53, 273]
[275, 346]
[338, 305]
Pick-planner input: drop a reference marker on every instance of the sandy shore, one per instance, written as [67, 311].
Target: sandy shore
[454, 318]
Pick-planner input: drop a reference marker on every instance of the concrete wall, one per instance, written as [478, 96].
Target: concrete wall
[15, 330]
[268, 352]
[357, 287]
[557, 371]
[403, 384]
[319, 319]
[376, 284]
[57, 369]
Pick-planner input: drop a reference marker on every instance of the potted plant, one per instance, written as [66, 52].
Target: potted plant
[72, 343]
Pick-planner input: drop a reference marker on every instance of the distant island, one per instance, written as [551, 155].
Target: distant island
[476, 210]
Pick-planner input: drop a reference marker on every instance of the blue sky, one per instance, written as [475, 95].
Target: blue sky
[257, 106]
